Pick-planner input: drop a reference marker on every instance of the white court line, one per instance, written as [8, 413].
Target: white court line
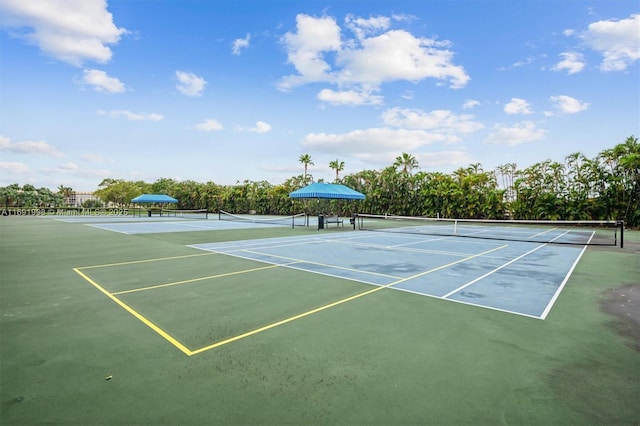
[290, 266]
[387, 285]
[325, 265]
[566, 278]
[231, 246]
[477, 305]
[419, 239]
[492, 271]
[192, 224]
[555, 296]
[252, 244]
[259, 245]
[136, 228]
[401, 247]
[262, 245]
[101, 226]
[543, 232]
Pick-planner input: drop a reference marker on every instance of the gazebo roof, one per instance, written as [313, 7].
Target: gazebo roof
[327, 190]
[154, 198]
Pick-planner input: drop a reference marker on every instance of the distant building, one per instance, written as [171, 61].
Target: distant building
[77, 198]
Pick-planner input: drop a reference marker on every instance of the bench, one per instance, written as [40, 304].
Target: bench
[335, 219]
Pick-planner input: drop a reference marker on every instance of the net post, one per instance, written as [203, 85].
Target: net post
[621, 223]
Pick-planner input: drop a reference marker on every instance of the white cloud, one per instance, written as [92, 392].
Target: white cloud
[14, 167]
[439, 120]
[305, 49]
[518, 133]
[362, 27]
[239, 44]
[398, 55]
[72, 169]
[518, 106]
[527, 61]
[101, 82]
[376, 55]
[408, 95]
[73, 31]
[29, 147]
[260, 127]
[370, 142]
[470, 103]
[568, 104]
[190, 84]
[209, 125]
[69, 167]
[134, 116]
[617, 40]
[349, 97]
[573, 63]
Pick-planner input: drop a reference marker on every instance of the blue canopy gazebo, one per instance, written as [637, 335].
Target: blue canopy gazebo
[154, 199]
[327, 191]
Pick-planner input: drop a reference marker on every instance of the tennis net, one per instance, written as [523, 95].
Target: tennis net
[293, 221]
[185, 214]
[603, 233]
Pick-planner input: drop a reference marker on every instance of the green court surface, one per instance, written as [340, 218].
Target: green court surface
[103, 327]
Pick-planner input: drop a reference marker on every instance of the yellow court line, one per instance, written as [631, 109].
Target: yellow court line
[339, 302]
[193, 280]
[139, 316]
[133, 262]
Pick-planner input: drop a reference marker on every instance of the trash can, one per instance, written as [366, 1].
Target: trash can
[320, 222]
[149, 213]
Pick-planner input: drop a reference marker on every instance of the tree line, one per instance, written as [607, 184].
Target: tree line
[28, 196]
[606, 187]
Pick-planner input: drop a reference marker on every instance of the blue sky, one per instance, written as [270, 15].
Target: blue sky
[226, 91]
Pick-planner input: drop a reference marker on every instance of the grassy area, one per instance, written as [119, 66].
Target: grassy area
[69, 354]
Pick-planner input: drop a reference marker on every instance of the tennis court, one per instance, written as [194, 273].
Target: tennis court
[281, 325]
[515, 278]
[518, 277]
[189, 222]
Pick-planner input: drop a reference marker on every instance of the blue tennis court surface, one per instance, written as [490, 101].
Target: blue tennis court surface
[515, 277]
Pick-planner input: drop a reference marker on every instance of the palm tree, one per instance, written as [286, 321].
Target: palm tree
[66, 192]
[306, 160]
[557, 175]
[407, 161]
[10, 194]
[628, 154]
[338, 166]
[475, 168]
